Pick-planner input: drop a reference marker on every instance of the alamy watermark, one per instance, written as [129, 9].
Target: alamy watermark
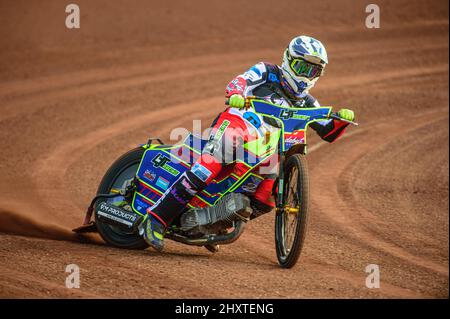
[73, 17]
[373, 19]
[73, 279]
[373, 279]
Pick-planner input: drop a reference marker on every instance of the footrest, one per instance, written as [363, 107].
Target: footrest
[87, 228]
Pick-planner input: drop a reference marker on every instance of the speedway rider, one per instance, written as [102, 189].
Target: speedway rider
[304, 61]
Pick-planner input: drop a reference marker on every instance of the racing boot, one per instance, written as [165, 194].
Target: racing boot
[153, 231]
[174, 201]
[263, 201]
[214, 248]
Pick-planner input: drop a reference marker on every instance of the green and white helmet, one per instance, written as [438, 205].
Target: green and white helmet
[304, 61]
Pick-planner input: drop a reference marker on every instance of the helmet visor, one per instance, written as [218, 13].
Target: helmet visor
[306, 69]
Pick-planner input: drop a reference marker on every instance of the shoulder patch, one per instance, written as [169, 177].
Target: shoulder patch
[272, 70]
[256, 70]
[273, 78]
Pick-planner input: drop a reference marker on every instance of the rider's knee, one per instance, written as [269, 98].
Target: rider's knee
[263, 201]
[259, 208]
[264, 192]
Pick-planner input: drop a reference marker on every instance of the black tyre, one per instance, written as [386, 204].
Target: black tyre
[122, 170]
[290, 228]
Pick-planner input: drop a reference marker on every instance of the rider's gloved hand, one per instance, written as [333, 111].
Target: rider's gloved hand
[236, 100]
[346, 114]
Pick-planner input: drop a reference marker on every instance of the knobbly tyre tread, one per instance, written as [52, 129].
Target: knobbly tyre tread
[303, 216]
[126, 241]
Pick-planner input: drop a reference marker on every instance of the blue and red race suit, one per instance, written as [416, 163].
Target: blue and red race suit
[263, 80]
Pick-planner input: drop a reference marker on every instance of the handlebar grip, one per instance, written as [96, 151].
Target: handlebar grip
[337, 117]
[247, 100]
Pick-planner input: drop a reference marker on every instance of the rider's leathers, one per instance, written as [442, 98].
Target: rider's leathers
[229, 131]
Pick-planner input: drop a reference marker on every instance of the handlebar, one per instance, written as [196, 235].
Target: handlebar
[333, 116]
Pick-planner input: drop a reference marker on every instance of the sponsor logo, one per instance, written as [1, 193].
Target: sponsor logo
[170, 170]
[300, 103]
[273, 78]
[249, 187]
[177, 197]
[162, 183]
[116, 214]
[201, 171]
[161, 161]
[293, 140]
[292, 114]
[287, 114]
[256, 70]
[253, 74]
[139, 204]
[187, 185]
[302, 85]
[150, 175]
[221, 130]
[237, 85]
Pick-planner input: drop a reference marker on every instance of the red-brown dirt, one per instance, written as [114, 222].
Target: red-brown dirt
[71, 101]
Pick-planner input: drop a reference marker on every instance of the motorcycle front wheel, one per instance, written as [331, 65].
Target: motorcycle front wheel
[122, 171]
[290, 224]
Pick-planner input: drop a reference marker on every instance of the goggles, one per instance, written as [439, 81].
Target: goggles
[305, 69]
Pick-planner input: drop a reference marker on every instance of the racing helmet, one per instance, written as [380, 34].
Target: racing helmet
[304, 61]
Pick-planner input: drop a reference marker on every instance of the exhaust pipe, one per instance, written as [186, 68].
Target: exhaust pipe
[211, 239]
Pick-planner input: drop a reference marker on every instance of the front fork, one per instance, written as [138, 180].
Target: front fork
[280, 192]
[281, 207]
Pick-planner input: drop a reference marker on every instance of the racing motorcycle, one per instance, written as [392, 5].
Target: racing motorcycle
[218, 214]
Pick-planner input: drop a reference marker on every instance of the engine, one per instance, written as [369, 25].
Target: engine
[217, 218]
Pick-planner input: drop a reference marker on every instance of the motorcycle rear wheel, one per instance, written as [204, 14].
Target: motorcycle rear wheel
[123, 169]
[290, 228]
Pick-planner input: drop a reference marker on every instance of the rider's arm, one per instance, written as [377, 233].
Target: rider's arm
[244, 83]
[329, 130]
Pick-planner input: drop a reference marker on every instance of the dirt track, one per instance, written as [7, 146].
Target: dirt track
[71, 101]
